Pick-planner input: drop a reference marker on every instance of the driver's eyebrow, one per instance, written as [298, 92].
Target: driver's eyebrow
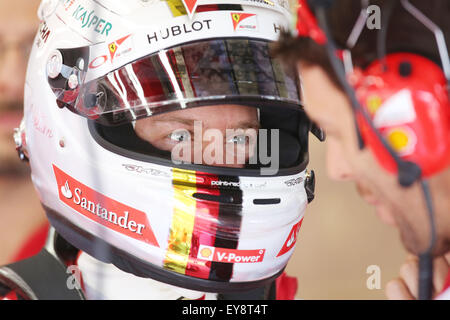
[247, 125]
[189, 122]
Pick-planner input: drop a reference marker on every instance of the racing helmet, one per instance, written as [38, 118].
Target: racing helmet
[99, 67]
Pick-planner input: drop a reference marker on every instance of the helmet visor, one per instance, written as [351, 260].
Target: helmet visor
[209, 72]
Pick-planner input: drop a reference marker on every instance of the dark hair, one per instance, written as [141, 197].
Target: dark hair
[404, 34]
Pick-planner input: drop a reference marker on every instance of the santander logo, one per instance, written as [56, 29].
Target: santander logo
[104, 210]
[65, 191]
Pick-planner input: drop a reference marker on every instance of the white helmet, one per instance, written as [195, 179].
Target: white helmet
[96, 68]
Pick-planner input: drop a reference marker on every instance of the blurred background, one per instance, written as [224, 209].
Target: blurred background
[339, 239]
[22, 219]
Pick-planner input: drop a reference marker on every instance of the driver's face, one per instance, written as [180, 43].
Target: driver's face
[228, 134]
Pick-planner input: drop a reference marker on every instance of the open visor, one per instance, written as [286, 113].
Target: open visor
[221, 71]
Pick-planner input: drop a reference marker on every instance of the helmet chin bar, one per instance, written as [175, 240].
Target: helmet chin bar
[88, 243]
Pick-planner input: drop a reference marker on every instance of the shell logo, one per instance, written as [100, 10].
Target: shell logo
[206, 252]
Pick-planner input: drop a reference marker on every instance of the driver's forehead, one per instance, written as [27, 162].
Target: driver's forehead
[211, 113]
[326, 105]
[327, 115]
[18, 18]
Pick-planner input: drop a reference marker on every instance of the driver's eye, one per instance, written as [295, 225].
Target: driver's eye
[180, 135]
[239, 139]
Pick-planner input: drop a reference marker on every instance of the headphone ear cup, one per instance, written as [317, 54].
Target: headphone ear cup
[407, 100]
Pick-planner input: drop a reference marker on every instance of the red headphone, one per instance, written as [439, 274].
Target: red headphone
[407, 100]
